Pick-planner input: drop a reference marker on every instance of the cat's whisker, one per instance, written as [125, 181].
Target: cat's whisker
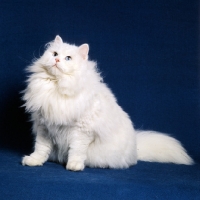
[34, 57]
[39, 50]
[23, 59]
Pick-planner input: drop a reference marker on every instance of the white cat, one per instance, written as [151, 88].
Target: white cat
[77, 121]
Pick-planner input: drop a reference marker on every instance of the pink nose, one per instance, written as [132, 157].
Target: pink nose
[57, 60]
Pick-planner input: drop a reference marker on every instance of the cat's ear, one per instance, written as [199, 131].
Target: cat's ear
[58, 39]
[83, 50]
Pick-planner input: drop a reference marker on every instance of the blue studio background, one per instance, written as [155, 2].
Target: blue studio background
[148, 53]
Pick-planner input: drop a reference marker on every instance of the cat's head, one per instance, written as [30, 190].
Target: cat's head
[63, 59]
[68, 66]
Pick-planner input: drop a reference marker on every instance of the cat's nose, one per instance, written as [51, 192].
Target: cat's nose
[57, 60]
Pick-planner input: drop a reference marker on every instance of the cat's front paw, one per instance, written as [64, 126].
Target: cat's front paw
[30, 161]
[75, 166]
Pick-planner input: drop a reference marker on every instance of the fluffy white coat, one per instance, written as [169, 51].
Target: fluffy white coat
[77, 121]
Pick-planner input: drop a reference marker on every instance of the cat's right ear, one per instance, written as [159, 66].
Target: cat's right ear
[58, 39]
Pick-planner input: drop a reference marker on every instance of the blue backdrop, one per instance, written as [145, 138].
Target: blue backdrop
[148, 54]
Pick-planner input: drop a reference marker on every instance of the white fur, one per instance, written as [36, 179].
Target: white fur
[77, 121]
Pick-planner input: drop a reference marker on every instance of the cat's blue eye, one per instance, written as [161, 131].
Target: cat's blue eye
[68, 58]
[55, 53]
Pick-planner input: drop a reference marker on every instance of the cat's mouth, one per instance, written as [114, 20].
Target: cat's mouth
[56, 69]
[55, 66]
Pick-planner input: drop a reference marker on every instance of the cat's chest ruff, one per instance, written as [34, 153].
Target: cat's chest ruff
[54, 107]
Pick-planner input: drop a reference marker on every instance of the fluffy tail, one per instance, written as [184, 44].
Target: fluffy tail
[158, 147]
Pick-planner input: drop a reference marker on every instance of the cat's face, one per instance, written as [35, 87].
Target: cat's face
[64, 59]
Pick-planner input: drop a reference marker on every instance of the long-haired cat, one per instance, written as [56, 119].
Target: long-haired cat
[77, 121]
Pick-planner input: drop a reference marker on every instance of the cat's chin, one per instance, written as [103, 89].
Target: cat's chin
[55, 71]
[66, 86]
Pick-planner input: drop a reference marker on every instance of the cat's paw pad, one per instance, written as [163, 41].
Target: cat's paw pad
[30, 161]
[75, 166]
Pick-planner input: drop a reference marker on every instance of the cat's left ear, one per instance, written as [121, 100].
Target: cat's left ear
[83, 50]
